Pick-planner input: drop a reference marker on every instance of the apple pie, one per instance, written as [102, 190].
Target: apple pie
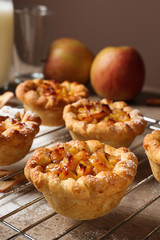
[47, 98]
[151, 145]
[114, 123]
[17, 131]
[82, 179]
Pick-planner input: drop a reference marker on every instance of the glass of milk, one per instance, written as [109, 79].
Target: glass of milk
[6, 41]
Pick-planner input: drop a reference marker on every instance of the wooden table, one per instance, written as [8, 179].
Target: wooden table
[25, 214]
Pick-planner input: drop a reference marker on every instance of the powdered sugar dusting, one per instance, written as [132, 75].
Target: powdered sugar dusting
[32, 114]
[126, 170]
[10, 112]
[131, 164]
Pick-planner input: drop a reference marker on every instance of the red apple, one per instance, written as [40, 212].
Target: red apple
[118, 73]
[68, 59]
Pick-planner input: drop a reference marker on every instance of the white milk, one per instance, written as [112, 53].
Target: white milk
[6, 40]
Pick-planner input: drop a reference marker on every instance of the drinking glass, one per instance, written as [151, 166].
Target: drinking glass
[32, 38]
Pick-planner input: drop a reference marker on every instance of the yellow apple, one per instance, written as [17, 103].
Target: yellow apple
[118, 73]
[68, 59]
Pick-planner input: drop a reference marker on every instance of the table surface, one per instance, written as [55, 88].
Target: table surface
[23, 208]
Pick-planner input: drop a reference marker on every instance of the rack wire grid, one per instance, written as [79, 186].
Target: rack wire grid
[25, 214]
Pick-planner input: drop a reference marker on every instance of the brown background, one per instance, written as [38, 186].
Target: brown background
[100, 23]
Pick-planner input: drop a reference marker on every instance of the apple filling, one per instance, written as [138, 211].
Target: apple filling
[101, 112]
[54, 89]
[10, 123]
[76, 163]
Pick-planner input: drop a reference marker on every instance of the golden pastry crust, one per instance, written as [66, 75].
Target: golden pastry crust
[82, 180]
[151, 145]
[17, 131]
[114, 123]
[47, 98]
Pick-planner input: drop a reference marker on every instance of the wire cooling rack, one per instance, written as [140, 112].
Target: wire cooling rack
[25, 214]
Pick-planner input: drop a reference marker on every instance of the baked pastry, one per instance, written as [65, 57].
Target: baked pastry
[114, 123]
[47, 98]
[17, 131]
[151, 145]
[82, 180]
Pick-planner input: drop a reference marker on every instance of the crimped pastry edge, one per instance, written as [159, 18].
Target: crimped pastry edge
[50, 110]
[15, 144]
[151, 145]
[118, 134]
[90, 196]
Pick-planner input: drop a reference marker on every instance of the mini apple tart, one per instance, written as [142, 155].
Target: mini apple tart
[47, 98]
[151, 145]
[82, 179]
[17, 131]
[114, 123]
